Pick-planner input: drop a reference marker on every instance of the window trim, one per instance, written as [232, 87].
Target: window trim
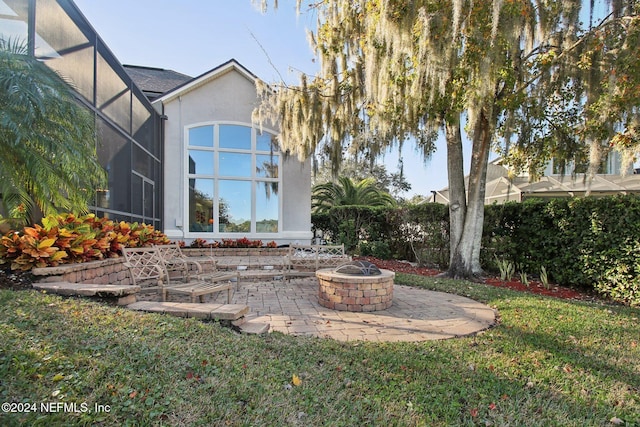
[253, 179]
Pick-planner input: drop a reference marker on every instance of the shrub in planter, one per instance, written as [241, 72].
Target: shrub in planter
[63, 239]
[199, 243]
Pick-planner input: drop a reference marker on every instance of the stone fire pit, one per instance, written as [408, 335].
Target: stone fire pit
[356, 286]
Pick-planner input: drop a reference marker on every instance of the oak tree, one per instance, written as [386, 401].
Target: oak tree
[535, 79]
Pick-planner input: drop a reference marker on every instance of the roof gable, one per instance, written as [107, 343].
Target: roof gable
[201, 80]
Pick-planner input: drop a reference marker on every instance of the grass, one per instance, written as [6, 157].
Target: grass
[548, 362]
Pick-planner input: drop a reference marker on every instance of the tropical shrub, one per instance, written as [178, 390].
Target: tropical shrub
[378, 249]
[243, 242]
[587, 242]
[65, 238]
[49, 160]
[347, 192]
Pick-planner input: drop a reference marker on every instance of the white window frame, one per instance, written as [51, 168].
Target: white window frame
[253, 179]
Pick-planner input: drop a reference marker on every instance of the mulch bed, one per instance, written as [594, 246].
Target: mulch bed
[533, 286]
[14, 280]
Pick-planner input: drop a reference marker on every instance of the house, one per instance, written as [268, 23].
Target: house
[224, 177]
[501, 187]
[181, 153]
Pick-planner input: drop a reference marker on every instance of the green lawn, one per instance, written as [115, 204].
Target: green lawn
[548, 363]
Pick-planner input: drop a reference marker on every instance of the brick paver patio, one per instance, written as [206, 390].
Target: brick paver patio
[416, 314]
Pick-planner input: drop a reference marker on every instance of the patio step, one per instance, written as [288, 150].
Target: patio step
[250, 327]
[120, 294]
[261, 275]
[196, 310]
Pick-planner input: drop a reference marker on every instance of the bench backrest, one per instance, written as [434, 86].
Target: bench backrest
[304, 251]
[315, 256]
[170, 251]
[145, 265]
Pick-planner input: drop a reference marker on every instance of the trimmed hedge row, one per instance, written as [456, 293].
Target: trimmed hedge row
[587, 242]
[593, 242]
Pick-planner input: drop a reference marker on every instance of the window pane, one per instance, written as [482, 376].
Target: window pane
[144, 126]
[200, 205]
[266, 166]
[267, 207]
[266, 142]
[114, 153]
[136, 192]
[63, 45]
[234, 206]
[113, 95]
[234, 164]
[201, 162]
[201, 136]
[148, 202]
[143, 163]
[238, 137]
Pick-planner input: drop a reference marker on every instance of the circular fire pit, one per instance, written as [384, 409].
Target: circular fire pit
[355, 287]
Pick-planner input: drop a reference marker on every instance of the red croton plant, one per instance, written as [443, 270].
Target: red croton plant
[66, 238]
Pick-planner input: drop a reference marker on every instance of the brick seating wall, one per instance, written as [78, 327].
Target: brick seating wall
[106, 272]
[113, 272]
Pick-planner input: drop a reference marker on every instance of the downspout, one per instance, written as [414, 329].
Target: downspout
[31, 29]
[163, 119]
[183, 187]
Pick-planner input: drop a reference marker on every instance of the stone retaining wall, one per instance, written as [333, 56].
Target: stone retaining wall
[221, 252]
[106, 272]
[112, 271]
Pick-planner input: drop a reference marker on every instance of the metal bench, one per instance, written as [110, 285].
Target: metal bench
[148, 270]
[180, 265]
[304, 260]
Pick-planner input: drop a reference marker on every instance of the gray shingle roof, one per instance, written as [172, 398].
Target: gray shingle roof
[155, 81]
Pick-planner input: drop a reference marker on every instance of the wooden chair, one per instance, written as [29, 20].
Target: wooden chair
[147, 266]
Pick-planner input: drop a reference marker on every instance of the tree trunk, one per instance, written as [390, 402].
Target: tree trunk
[457, 191]
[465, 243]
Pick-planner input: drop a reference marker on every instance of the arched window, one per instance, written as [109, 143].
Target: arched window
[233, 180]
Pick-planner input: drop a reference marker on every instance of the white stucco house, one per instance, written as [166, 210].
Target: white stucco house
[223, 177]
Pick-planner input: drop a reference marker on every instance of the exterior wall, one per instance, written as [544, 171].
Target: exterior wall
[225, 97]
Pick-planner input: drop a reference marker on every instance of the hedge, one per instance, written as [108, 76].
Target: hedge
[587, 242]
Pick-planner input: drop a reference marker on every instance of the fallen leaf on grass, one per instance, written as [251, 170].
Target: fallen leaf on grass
[617, 421]
[296, 380]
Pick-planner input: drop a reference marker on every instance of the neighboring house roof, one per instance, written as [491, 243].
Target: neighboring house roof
[517, 189]
[205, 78]
[155, 82]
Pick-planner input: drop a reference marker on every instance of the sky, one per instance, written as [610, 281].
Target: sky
[194, 36]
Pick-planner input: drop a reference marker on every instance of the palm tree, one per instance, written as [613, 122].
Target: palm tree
[47, 138]
[346, 192]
